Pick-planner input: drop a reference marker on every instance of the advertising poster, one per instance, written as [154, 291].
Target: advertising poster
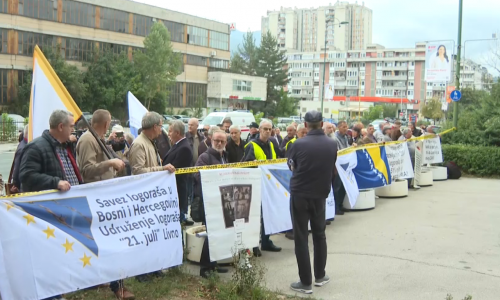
[329, 91]
[438, 62]
[56, 243]
[232, 209]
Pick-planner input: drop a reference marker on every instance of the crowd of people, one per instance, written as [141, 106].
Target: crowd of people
[66, 156]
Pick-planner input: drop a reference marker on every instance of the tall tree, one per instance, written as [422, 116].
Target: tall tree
[109, 78]
[272, 62]
[158, 66]
[246, 60]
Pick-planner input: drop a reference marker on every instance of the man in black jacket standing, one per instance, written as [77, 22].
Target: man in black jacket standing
[235, 146]
[254, 132]
[48, 162]
[312, 161]
[180, 156]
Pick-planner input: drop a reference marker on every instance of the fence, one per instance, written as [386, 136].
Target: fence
[10, 130]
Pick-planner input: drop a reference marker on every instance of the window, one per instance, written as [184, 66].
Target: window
[175, 95]
[197, 36]
[219, 63]
[115, 48]
[79, 50]
[4, 40]
[28, 41]
[78, 13]
[429, 94]
[242, 85]
[196, 60]
[142, 25]
[22, 76]
[219, 40]
[3, 86]
[4, 6]
[411, 74]
[195, 91]
[176, 31]
[411, 83]
[410, 93]
[114, 20]
[40, 9]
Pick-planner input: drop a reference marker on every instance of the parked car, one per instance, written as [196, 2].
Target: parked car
[283, 123]
[166, 126]
[184, 119]
[168, 118]
[87, 115]
[241, 119]
[180, 116]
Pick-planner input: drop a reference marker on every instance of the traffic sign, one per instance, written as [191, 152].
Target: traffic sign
[401, 114]
[455, 95]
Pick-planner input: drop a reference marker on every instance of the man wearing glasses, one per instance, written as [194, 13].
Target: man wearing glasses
[262, 149]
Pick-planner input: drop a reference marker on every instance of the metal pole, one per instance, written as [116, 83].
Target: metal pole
[324, 71]
[359, 96]
[457, 73]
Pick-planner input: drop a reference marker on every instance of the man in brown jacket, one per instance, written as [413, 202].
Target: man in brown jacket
[143, 154]
[94, 166]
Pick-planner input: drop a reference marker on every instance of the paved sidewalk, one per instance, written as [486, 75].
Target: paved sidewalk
[8, 147]
[439, 240]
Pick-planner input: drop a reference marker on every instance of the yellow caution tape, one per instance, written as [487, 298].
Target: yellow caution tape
[246, 164]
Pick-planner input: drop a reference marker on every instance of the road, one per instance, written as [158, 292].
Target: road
[6, 157]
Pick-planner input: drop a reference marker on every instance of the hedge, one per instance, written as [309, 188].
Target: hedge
[474, 160]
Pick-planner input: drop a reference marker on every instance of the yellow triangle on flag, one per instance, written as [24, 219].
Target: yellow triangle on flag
[47, 94]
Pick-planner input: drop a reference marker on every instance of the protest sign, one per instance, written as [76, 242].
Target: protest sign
[418, 163]
[399, 161]
[232, 210]
[432, 153]
[276, 199]
[56, 243]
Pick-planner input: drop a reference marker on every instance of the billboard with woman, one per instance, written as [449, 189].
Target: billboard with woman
[438, 62]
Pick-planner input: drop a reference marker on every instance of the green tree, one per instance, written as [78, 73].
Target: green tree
[286, 106]
[109, 78]
[432, 109]
[390, 110]
[374, 112]
[272, 62]
[158, 67]
[246, 59]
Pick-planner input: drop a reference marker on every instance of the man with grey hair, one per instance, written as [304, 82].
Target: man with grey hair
[262, 149]
[207, 143]
[16, 181]
[180, 156]
[235, 146]
[48, 162]
[329, 129]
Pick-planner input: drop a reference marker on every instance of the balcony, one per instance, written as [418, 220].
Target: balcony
[394, 68]
[352, 87]
[339, 78]
[438, 88]
[399, 77]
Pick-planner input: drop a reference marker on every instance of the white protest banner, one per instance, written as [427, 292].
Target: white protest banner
[56, 243]
[418, 163]
[399, 161]
[345, 164]
[276, 199]
[232, 210]
[432, 153]
[135, 113]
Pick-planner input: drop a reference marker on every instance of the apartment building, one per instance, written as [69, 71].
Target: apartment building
[78, 27]
[375, 75]
[306, 29]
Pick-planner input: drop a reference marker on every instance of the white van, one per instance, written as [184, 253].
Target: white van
[239, 118]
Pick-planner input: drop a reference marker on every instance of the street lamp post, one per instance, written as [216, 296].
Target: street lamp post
[324, 61]
[457, 73]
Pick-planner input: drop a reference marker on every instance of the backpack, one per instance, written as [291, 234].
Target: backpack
[454, 171]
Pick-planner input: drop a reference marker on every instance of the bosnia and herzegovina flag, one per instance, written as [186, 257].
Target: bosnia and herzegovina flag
[135, 113]
[364, 168]
[47, 94]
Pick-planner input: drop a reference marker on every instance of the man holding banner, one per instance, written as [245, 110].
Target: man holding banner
[312, 161]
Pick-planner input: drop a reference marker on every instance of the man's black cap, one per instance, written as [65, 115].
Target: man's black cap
[253, 125]
[313, 116]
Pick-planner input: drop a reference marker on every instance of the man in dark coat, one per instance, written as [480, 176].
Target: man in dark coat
[16, 181]
[180, 156]
[235, 146]
[254, 132]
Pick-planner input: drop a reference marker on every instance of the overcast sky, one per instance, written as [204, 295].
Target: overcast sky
[395, 23]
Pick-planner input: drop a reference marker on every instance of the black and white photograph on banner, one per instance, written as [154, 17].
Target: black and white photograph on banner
[232, 201]
[235, 201]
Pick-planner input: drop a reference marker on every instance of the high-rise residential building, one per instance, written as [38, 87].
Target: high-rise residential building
[79, 27]
[377, 75]
[306, 29]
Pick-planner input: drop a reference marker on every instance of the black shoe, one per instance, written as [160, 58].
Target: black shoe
[339, 212]
[289, 235]
[271, 248]
[187, 223]
[328, 222]
[256, 252]
[221, 270]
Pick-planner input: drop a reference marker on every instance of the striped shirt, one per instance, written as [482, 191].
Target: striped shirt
[69, 171]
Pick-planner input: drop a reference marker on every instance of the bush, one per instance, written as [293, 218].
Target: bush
[474, 160]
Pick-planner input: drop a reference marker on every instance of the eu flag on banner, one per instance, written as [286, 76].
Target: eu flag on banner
[364, 168]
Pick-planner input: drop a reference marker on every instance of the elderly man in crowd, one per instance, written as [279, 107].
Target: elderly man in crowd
[16, 181]
[226, 123]
[379, 134]
[48, 162]
[408, 134]
[95, 166]
[180, 156]
[262, 149]
[416, 132]
[338, 187]
[195, 138]
[235, 146]
[370, 135]
[213, 156]
[254, 132]
[277, 133]
[291, 133]
[329, 129]
[207, 143]
[301, 132]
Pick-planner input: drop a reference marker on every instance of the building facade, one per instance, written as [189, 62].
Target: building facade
[306, 29]
[78, 27]
[229, 91]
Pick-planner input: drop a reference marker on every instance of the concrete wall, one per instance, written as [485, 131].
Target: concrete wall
[220, 84]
